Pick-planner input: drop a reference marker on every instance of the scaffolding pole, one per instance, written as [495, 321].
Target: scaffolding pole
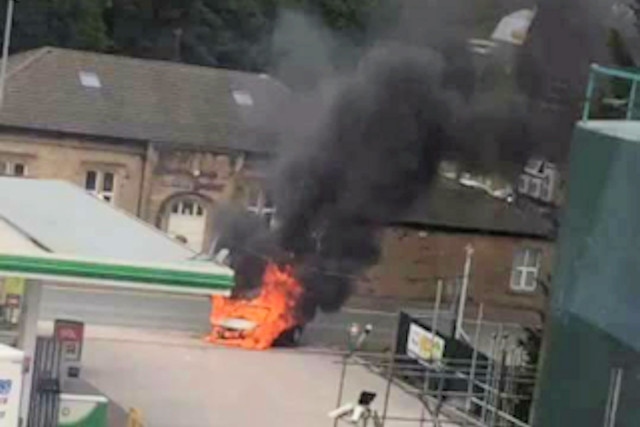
[474, 357]
[459, 333]
[390, 368]
[434, 332]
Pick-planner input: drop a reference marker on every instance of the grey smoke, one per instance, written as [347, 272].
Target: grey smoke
[249, 243]
[358, 149]
[302, 50]
[553, 66]
[368, 154]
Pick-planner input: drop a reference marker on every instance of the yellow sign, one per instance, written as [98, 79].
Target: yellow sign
[430, 349]
[423, 345]
[135, 418]
[14, 285]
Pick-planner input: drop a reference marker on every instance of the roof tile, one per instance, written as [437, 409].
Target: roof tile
[138, 99]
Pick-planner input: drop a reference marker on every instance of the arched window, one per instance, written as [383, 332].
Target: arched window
[187, 221]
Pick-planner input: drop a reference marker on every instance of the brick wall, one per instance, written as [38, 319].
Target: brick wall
[412, 262]
[70, 158]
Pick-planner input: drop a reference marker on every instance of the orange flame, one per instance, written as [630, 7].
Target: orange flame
[272, 312]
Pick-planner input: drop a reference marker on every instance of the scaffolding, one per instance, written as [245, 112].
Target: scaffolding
[478, 391]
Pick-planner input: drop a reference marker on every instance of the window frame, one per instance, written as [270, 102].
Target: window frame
[13, 169]
[535, 187]
[262, 205]
[519, 272]
[181, 207]
[108, 196]
[10, 168]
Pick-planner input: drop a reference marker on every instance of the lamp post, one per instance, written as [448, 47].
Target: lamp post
[5, 48]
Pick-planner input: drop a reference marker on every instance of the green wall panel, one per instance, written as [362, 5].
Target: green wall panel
[595, 310]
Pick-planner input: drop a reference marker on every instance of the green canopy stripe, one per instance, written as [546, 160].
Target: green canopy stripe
[115, 272]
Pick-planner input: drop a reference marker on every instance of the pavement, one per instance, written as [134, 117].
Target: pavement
[145, 350]
[190, 313]
[179, 381]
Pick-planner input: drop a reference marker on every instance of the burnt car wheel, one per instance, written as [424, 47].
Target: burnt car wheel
[290, 338]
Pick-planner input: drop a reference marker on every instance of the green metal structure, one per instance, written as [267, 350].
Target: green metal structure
[190, 276]
[590, 374]
[629, 79]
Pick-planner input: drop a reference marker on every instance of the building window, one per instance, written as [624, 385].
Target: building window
[261, 204]
[19, 169]
[243, 98]
[187, 222]
[269, 210]
[13, 168]
[187, 208]
[253, 202]
[526, 266]
[546, 189]
[539, 180]
[534, 189]
[101, 184]
[89, 79]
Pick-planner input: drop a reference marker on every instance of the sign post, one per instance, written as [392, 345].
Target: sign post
[70, 335]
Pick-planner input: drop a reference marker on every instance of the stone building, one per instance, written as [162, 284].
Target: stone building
[169, 143]
[166, 142]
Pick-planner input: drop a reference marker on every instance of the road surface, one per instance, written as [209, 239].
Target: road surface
[180, 381]
[189, 313]
[186, 313]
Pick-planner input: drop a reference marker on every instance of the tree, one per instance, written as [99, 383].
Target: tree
[229, 33]
[67, 23]
[148, 28]
[225, 33]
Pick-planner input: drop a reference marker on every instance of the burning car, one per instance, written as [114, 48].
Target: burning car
[271, 318]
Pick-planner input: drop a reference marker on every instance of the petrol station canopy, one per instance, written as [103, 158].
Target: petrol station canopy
[55, 231]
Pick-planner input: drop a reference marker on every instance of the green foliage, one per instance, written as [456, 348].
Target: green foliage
[69, 23]
[227, 33]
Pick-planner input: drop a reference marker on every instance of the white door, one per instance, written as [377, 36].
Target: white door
[187, 221]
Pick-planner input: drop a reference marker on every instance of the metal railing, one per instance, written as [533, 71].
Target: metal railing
[462, 392]
[596, 74]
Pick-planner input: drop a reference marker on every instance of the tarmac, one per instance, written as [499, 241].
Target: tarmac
[177, 380]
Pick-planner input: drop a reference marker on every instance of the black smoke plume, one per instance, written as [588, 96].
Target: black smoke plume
[369, 153]
[356, 152]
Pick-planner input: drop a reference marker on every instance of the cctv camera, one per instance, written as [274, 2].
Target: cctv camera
[358, 413]
[363, 335]
[341, 411]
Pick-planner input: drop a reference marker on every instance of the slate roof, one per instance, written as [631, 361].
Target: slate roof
[452, 206]
[138, 99]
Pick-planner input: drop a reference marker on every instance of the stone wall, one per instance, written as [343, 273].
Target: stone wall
[69, 159]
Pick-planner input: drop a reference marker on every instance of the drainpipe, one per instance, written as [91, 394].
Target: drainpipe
[5, 49]
[148, 164]
[459, 333]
